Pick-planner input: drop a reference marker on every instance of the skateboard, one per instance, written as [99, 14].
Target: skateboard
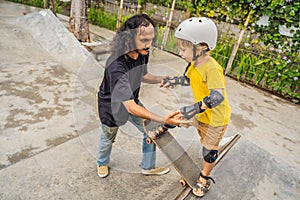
[180, 160]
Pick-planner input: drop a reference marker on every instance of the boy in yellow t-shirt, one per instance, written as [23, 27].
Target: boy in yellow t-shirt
[196, 37]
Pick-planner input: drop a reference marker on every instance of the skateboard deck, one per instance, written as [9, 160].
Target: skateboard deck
[180, 160]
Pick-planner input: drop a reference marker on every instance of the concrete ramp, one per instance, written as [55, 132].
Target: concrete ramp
[54, 38]
[42, 78]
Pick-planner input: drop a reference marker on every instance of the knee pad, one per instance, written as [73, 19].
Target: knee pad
[209, 156]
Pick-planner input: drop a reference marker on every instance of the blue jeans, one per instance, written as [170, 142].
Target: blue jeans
[107, 138]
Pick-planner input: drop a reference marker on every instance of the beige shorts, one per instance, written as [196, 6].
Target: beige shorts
[210, 137]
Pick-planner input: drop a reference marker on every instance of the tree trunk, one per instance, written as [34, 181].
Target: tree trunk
[237, 45]
[50, 4]
[78, 22]
[119, 20]
[188, 12]
[168, 25]
[139, 7]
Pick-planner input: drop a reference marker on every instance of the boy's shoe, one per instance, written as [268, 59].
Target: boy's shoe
[156, 171]
[201, 189]
[102, 171]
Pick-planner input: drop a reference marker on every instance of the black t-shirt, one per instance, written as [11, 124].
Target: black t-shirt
[121, 82]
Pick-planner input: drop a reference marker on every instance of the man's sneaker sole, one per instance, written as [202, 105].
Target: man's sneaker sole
[156, 171]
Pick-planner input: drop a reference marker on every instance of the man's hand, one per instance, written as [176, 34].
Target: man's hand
[152, 79]
[176, 119]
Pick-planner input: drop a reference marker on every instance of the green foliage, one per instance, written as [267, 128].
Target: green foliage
[62, 6]
[35, 3]
[159, 36]
[280, 12]
[98, 16]
[277, 65]
[223, 49]
[171, 41]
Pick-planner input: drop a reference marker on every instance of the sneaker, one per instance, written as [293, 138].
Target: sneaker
[102, 171]
[156, 171]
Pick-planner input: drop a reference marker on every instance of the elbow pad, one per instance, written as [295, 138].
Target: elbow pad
[214, 99]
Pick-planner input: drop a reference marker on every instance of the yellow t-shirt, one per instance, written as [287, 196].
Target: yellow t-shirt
[202, 79]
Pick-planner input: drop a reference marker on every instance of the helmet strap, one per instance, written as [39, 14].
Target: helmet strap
[195, 56]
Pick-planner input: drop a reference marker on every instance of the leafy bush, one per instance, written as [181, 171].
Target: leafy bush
[276, 65]
[35, 3]
[98, 16]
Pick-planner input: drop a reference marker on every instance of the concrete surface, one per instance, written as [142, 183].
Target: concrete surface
[49, 127]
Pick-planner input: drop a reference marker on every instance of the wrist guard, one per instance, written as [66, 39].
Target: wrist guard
[190, 111]
[177, 80]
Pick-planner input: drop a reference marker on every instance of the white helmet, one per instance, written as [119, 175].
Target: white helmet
[198, 30]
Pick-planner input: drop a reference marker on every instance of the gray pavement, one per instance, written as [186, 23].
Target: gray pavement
[49, 126]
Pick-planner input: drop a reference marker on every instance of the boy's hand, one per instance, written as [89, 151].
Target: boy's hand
[166, 82]
[171, 82]
[186, 123]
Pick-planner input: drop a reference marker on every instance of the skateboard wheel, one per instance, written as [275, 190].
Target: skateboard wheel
[182, 182]
[148, 140]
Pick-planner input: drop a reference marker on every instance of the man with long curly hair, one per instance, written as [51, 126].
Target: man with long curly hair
[118, 96]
